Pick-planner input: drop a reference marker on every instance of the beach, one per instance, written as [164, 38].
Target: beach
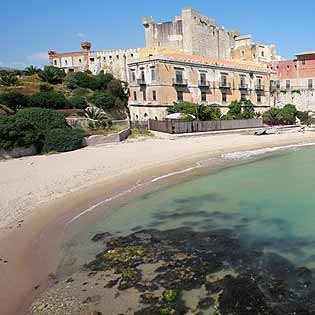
[40, 194]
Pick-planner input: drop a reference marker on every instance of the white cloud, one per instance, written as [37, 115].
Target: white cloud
[17, 64]
[81, 35]
[41, 57]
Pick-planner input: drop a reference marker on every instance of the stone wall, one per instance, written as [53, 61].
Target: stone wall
[100, 139]
[304, 100]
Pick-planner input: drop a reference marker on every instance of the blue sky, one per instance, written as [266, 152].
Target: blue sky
[29, 28]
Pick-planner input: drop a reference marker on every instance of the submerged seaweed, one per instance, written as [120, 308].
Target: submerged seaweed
[237, 280]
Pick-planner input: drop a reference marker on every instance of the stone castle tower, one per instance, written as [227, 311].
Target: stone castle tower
[190, 33]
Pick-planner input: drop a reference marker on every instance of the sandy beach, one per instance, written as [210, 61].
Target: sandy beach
[40, 193]
[27, 183]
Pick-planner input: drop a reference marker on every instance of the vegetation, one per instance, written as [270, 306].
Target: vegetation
[31, 70]
[8, 78]
[14, 100]
[48, 99]
[63, 140]
[281, 116]
[51, 75]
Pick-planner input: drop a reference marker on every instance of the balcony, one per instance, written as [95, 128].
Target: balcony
[141, 82]
[243, 86]
[225, 85]
[204, 84]
[259, 87]
[180, 82]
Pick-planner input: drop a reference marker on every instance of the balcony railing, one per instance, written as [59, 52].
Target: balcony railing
[259, 87]
[141, 82]
[204, 84]
[243, 86]
[180, 82]
[225, 85]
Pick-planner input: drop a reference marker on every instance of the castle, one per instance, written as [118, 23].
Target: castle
[193, 59]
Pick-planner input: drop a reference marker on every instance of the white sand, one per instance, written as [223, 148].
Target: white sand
[27, 182]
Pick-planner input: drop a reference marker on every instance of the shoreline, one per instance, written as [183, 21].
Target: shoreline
[36, 242]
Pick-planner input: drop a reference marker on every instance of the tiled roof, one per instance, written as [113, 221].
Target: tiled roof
[219, 62]
[306, 53]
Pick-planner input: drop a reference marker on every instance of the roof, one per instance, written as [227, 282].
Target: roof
[306, 53]
[246, 65]
[69, 54]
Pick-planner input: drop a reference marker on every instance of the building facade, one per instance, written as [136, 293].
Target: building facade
[112, 61]
[159, 81]
[295, 81]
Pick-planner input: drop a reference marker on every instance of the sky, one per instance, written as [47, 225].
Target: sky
[29, 28]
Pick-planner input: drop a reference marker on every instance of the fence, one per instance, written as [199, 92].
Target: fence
[140, 124]
[175, 126]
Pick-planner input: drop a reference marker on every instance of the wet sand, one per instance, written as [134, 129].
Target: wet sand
[29, 249]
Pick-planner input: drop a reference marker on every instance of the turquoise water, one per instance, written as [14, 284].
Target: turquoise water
[268, 203]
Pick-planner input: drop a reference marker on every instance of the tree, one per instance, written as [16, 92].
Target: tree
[51, 75]
[183, 107]
[49, 99]
[14, 100]
[31, 70]
[248, 110]
[235, 110]
[104, 100]
[272, 116]
[8, 78]
[209, 112]
[288, 114]
[78, 80]
[77, 102]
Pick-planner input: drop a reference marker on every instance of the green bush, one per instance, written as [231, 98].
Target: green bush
[48, 99]
[77, 102]
[284, 116]
[63, 140]
[42, 119]
[76, 80]
[15, 133]
[8, 78]
[104, 100]
[14, 100]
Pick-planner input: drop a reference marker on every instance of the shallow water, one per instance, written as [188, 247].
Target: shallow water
[268, 203]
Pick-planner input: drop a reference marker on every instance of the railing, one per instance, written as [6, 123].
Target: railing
[243, 86]
[141, 82]
[204, 84]
[225, 85]
[259, 87]
[182, 82]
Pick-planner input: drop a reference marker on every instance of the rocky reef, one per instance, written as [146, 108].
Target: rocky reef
[182, 271]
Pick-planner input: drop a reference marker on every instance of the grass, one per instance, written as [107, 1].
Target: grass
[135, 133]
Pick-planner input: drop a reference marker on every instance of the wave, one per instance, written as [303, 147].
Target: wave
[252, 153]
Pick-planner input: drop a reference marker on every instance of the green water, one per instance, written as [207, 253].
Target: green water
[267, 202]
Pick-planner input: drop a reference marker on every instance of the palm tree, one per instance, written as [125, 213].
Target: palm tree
[51, 75]
[8, 79]
[31, 70]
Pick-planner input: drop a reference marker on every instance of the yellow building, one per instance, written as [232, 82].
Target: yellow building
[157, 81]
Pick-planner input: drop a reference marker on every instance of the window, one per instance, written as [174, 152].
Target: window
[223, 80]
[278, 85]
[153, 76]
[144, 93]
[203, 96]
[104, 58]
[66, 62]
[133, 75]
[243, 53]
[243, 96]
[179, 76]
[131, 55]
[263, 54]
[135, 95]
[154, 95]
[156, 118]
[110, 57]
[203, 78]
[243, 80]
[303, 62]
[259, 99]
[55, 62]
[180, 96]
[287, 84]
[310, 84]
[145, 116]
[117, 57]
[92, 59]
[142, 76]
[224, 98]
[80, 60]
